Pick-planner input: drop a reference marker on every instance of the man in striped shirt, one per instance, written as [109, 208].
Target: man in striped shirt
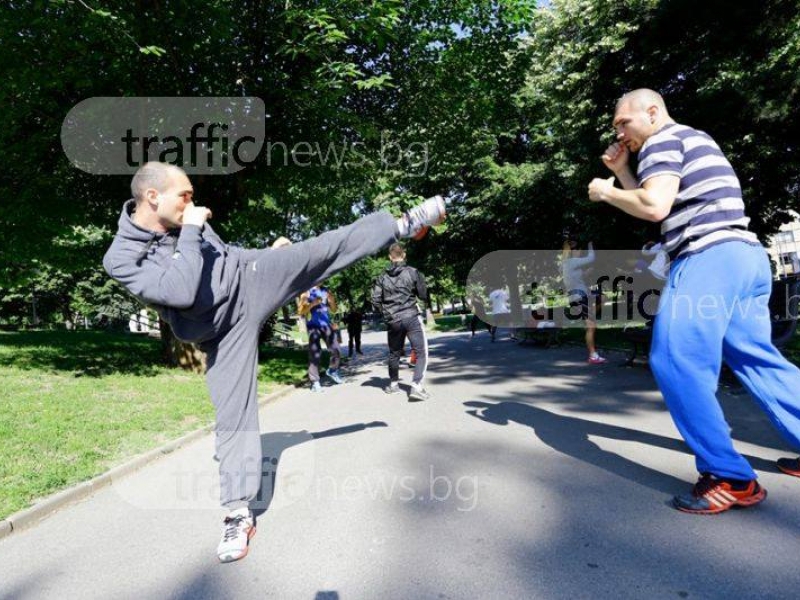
[714, 305]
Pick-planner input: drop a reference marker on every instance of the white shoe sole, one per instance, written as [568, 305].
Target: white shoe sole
[234, 556]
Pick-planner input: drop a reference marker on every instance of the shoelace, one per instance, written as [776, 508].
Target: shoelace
[705, 484]
[232, 526]
[416, 218]
[421, 215]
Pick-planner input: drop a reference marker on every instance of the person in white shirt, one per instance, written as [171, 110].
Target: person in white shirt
[500, 311]
[572, 268]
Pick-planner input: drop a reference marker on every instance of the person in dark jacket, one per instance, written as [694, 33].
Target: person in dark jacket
[167, 255]
[395, 295]
[354, 322]
[478, 311]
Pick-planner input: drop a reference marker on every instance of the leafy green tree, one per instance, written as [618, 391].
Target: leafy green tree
[729, 70]
[501, 104]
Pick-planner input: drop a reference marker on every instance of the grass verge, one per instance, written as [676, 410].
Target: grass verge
[74, 404]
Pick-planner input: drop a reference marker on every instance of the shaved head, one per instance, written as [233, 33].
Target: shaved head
[152, 175]
[642, 99]
[638, 115]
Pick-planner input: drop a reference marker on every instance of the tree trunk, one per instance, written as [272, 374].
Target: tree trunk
[35, 321]
[66, 314]
[180, 354]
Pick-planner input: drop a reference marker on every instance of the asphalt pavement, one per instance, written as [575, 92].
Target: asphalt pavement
[528, 474]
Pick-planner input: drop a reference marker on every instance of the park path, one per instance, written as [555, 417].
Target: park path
[529, 474]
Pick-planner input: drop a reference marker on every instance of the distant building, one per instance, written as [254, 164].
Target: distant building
[784, 248]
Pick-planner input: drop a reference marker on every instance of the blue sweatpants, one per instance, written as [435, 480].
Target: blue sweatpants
[714, 308]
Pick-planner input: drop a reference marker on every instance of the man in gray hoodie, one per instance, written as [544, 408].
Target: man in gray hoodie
[167, 255]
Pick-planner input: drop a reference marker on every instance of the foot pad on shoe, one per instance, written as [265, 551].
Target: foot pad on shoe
[711, 496]
[236, 536]
[790, 466]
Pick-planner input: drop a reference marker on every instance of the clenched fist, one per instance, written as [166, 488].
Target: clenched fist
[616, 157]
[599, 188]
[195, 215]
[281, 242]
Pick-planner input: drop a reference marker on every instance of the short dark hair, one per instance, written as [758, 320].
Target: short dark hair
[153, 175]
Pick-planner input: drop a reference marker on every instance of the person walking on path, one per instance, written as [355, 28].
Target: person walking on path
[167, 255]
[395, 295]
[316, 305]
[478, 308]
[572, 270]
[501, 313]
[714, 305]
[354, 320]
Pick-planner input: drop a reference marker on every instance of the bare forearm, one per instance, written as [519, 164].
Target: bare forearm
[627, 179]
[651, 201]
[635, 201]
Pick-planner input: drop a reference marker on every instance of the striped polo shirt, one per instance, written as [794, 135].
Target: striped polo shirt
[708, 209]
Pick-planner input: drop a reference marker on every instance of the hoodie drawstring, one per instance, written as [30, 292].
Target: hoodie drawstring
[146, 249]
[149, 244]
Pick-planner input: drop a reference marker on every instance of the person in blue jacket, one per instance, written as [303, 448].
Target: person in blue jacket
[316, 306]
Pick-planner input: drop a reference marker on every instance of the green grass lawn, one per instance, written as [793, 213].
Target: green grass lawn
[74, 404]
[452, 323]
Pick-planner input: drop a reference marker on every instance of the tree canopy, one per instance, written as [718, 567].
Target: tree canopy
[504, 105]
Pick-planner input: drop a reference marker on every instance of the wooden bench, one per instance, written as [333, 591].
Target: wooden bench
[783, 309]
[283, 334]
[639, 338]
[538, 335]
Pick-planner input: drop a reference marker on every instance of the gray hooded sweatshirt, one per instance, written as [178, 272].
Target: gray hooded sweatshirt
[188, 275]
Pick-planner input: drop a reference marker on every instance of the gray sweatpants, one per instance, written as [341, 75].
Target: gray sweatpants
[269, 279]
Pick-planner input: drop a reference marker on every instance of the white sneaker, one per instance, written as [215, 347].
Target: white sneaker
[334, 375]
[421, 217]
[239, 527]
[418, 393]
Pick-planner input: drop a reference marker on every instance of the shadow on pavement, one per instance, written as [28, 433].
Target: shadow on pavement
[570, 436]
[275, 443]
[560, 375]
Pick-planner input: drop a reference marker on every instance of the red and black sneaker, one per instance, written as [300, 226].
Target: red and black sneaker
[711, 495]
[790, 466]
